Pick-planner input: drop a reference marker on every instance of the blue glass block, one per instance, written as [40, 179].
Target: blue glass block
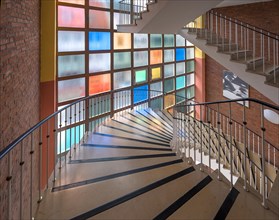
[99, 41]
[140, 94]
[180, 82]
[180, 54]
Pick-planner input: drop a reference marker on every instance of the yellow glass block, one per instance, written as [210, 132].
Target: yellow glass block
[156, 73]
[122, 41]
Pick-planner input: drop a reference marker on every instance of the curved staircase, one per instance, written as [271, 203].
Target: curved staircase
[127, 169]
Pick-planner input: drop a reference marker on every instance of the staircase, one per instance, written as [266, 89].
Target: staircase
[126, 169]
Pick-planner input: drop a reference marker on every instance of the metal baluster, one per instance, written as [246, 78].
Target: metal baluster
[21, 181]
[60, 140]
[264, 203]
[66, 115]
[70, 156]
[254, 48]
[201, 168]
[75, 136]
[230, 34]
[9, 179]
[195, 121]
[219, 142]
[274, 63]
[268, 46]
[189, 142]
[209, 139]
[47, 156]
[231, 152]
[263, 48]
[245, 146]
[40, 163]
[31, 175]
[55, 146]
[245, 43]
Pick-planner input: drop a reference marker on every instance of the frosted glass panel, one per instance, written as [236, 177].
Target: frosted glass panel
[191, 92]
[168, 56]
[80, 2]
[180, 95]
[122, 60]
[71, 41]
[99, 41]
[156, 73]
[190, 66]
[169, 70]
[99, 62]
[140, 40]
[156, 104]
[180, 68]
[168, 85]
[190, 79]
[116, 20]
[99, 84]
[71, 89]
[180, 41]
[180, 82]
[100, 3]
[168, 40]
[122, 41]
[155, 40]
[140, 76]
[99, 19]
[158, 86]
[70, 17]
[122, 79]
[140, 94]
[169, 100]
[155, 56]
[190, 53]
[189, 43]
[180, 54]
[71, 65]
[140, 58]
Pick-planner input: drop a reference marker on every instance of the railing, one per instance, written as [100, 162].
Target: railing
[131, 10]
[31, 164]
[233, 144]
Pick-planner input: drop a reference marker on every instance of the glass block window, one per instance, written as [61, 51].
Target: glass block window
[190, 66]
[156, 103]
[180, 41]
[80, 2]
[180, 82]
[169, 100]
[99, 19]
[99, 84]
[155, 40]
[71, 41]
[168, 56]
[122, 41]
[70, 17]
[191, 92]
[155, 57]
[180, 54]
[190, 79]
[140, 41]
[71, 89]
[169, 40]
[99, 40]
[140, 76]
[180, 68]
[99, 62]
[70, 65]
[168, 85]
[140, 58]
[190, 53]
[158, 86]
[100, 3]
[122, 79]
[156, 73]
[168, 70]
[180, 95]
[140, 94]
[122, 60]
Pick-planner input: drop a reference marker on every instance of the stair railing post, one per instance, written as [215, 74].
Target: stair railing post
[209, 138]
[245, 145]
[189, 146]
[195, 121]
[40, 163]
[264, 203]
[219, 141]
[263, 50]
[236, 39]
[230, 34]
[55, 132]
[131, 11]
[268, 46]
[216, 27]
[254, 48]
[231, 152]
[201, 168]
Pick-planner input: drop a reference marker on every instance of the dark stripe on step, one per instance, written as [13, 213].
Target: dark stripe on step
[95, 160]
[115, 175]
[126, 147]
[134, 194]
[131, 139]
[166, 116]
[156, 135]
[182, 200]
[227, 204]
[157, 131]
[160, 116]
[157, 127]
[162, 121]
[131, 132]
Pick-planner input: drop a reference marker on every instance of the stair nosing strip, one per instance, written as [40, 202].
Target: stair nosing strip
[183, 199]
[133, 194]
[115, 175]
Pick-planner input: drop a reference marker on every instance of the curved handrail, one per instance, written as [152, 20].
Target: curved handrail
[9, 147]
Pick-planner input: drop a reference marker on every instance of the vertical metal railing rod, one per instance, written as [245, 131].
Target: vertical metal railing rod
[245, 146]
[70, 121]
[219, 141]
[9, 179]
[254, 48]
[55, 146]
[231, 151]
[60, 140]
[47, 152]
[40, 163]
[209, 138]
[21, 182]
[31, 176]
[201, 125]
[132, 11]
[195, 121]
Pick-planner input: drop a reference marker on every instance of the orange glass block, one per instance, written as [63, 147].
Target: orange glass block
[156, 57]
[122, 41]
[99, 84]
[169, 100]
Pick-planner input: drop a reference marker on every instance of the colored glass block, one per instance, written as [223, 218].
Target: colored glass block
[191, 92]
[180, 95]
[180, 54]
[157, 89]
[140, 58]
[99, 84]
[180, 68]
[121, 99]
[180, 82]
[71, 65]
[155, 40]
[79, 2]
[99, 19]
[70, 17]
[140, 40]
[168, 85]
[190, 66]
[155, 57]
[116, 20]
[99, 41]
[140, 76]
[116, 5]
[71, 89]
[168, 40]
[122, 60]
[122, 79]
[156, 73]
[189, 43]
[169, 100]
[140, 94]
[122, 41]
[156, 104]
[190, 79]
[99, 62]
[100, 3]
[180, 41]
[190, 53]
[168, 56]
[168, 70]
[71, 41]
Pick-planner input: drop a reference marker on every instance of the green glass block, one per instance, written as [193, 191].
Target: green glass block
[157, 103]
[155, 40]
[180, 95]
[191, 92]
[190, 79]
[168, 70]
[168, 85]
[168, 56]
[168, 40]
[140, 76]
[190, 53]
[180, 82]
[122, 60]
[156, 89]
[71, 65]
[190, 66]
[140, 58]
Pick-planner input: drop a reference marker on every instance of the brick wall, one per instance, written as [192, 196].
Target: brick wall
[19, 93]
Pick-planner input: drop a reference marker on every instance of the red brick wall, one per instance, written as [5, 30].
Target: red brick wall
[19, 93]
